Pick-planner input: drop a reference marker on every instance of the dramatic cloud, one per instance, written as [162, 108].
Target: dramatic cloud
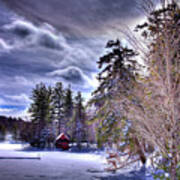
[21, 28]
[75, 77]
[54, 40]
[50, 44]
[30, 35]
[71, 74]
[37, 54]
[82, 17]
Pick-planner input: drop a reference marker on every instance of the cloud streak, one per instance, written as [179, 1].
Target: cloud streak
[78, 18]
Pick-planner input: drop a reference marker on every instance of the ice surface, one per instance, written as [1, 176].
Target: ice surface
[54, 165]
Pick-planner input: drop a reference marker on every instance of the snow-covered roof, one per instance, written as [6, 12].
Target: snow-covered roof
[62, 136]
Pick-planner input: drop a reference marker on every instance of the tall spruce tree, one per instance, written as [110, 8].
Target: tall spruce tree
[58, 106]
[79, 120]
[68, 109]
[113, 96]
[39, 109]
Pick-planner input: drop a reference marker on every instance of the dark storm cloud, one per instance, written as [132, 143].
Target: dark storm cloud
[71, 74]
[23, 68]
[33, 36]
[54, 40]
[76, 16]
[29, 58]
[44, 45]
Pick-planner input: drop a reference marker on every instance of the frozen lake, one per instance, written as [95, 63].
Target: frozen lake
[52, 165]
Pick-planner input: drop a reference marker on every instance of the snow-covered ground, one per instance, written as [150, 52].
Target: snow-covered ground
[16, 163]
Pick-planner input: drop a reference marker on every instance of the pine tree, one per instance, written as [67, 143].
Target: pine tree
[58, 106]
[68, 110]
[39, 108]
[117, 77]
[79, 120]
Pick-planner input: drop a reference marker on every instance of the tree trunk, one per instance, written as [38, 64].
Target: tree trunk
[140, 151]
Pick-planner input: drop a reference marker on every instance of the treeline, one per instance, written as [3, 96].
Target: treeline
[55, 110]
[17, 127]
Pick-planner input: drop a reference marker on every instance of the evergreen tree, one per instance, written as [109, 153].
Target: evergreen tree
[68, 109]
[117, 78]
[39, 108]
[79, 120]
[58, 106]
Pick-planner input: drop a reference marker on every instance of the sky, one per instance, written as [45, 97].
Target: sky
[55, 40]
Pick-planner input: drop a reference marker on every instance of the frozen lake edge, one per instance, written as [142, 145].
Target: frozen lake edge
[56, 165]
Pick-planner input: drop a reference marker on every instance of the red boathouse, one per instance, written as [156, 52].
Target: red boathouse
[62, 142]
